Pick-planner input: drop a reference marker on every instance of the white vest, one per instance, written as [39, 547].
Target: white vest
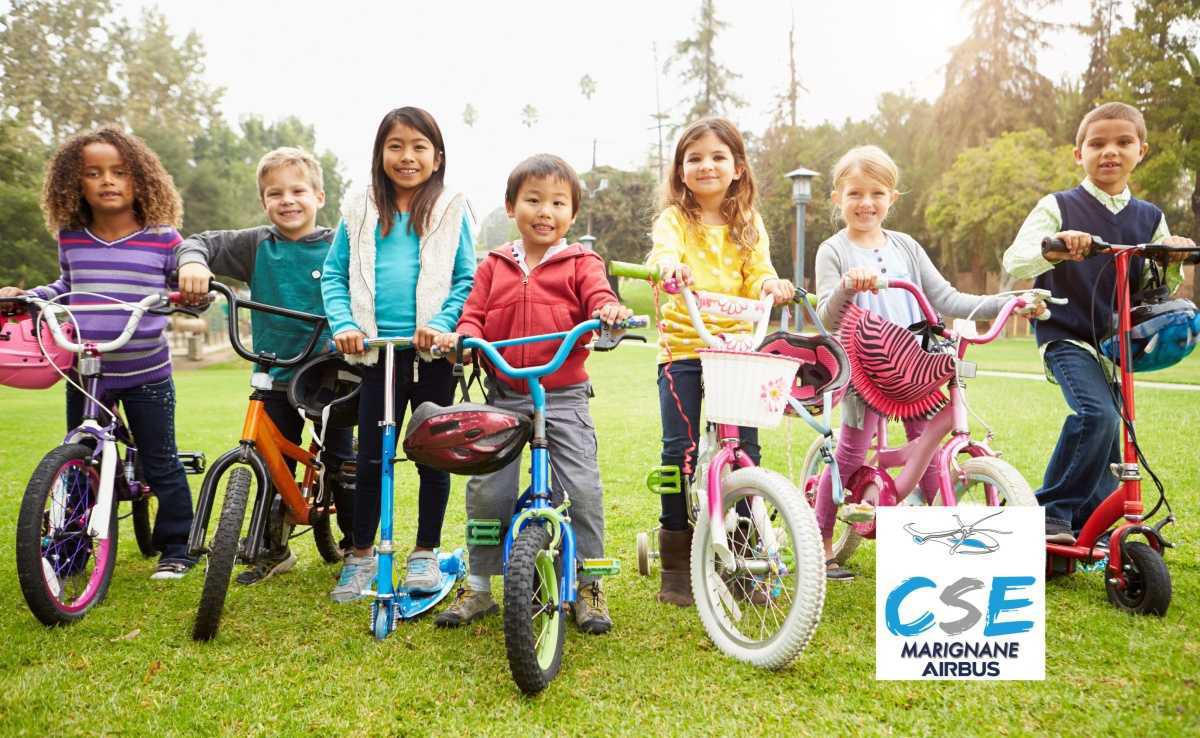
[437, 251]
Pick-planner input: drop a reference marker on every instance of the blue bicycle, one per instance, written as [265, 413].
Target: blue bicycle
[538, 583]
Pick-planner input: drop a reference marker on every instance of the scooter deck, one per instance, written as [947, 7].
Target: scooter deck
[408, 604]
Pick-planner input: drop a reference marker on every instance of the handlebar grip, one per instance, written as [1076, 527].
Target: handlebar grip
[632, 271]
[1054, 246]
[1193, 259]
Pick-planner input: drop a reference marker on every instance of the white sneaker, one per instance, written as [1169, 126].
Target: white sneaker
[357, 574]
[424, 574]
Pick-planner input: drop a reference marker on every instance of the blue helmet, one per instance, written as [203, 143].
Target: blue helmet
[1163, 334]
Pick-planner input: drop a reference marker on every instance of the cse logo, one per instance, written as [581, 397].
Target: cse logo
[1001, 598]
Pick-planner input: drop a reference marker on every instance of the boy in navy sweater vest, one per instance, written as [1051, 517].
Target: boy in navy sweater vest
[1110, 142]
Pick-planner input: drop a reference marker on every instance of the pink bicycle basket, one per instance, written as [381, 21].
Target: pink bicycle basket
[22, 363]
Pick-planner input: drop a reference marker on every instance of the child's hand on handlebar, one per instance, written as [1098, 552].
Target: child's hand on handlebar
[780, 289]
[193, 283]
[1035, 306]
[10, 308]
[679, 272]
[1078, 244]
[423, 338]
[350, 341]
[1178, 241]
[861, 279]
[611, 313]
[446, 344]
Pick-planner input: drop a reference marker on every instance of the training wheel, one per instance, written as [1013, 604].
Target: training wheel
[643, 554]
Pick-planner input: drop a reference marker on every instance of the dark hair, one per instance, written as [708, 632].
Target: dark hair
[155, 199]
[543, 165]
[426, 195]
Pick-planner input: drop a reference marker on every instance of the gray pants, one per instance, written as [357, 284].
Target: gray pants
[573, 470]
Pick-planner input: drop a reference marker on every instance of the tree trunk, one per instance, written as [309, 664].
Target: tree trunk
[1195, 233]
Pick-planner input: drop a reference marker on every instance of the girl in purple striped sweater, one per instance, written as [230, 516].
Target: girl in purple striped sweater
[115, 210]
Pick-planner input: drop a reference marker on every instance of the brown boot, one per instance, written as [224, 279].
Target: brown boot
[675, 555]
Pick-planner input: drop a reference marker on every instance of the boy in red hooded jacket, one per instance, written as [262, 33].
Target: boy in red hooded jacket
[539, 284]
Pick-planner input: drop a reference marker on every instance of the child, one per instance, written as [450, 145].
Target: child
[709, 236]
[413, 239]
[115, 210]
[848, 263]
[1110, 142]
[282, 263]
[554, 286]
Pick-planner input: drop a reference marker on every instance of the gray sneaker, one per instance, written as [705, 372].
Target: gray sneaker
[358, 572]
[468, 605]
[268, 565]
[423, 573]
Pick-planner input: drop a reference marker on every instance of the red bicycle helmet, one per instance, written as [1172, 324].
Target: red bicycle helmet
[327, 381]
[466, 438]
[823, 368]
[22, 363]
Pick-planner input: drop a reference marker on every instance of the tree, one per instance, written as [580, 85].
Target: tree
[713, 95]
[529, 116]
[785, 103]
[620, 214]
[980, 202]
[31, 256]
[992, 81]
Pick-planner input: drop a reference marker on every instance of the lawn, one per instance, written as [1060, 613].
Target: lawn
[289, 662]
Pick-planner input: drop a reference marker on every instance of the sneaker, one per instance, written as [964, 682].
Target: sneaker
[591, 611]
[424, 574]
[857, 512]
[172, 569]
[357, 574]
[269, 564]
[835, 572]
[1059, 533]
[468, 605]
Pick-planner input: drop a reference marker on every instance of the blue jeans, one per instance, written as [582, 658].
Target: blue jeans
[1078, 477]
[681, 433]
[150, 412]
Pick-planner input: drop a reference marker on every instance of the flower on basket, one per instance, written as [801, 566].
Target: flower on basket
[774, 394]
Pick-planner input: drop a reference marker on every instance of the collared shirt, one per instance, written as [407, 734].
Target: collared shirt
[518, 252]
[1024, 260]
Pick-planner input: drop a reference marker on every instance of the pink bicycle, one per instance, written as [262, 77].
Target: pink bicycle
[970, 472]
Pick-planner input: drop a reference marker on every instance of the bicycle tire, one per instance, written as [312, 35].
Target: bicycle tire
[144, 510]
[1010, 488]
[533, 611]
[801, 544]
[845, 540]
[322, 531]
[222, 555]
[52, 561]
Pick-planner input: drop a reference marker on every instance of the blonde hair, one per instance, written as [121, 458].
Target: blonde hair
[872, 161]
[738, 206]
[290, 156]
[1112, 111]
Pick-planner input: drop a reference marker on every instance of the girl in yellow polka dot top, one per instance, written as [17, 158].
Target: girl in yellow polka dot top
[711, 238]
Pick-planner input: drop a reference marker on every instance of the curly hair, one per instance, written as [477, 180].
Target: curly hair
[738, 206]
[155, 199]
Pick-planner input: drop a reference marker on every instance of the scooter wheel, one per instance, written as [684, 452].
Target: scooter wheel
[643, 554]
[379, 622]
[1147, 588]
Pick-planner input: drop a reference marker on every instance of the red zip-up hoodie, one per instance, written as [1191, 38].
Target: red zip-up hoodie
[559, 293]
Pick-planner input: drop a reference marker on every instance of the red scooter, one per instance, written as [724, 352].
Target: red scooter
[1136, 576]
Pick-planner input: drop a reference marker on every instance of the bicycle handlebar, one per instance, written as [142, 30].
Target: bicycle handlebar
[1100, 246]
[136, 312]
[266, 358]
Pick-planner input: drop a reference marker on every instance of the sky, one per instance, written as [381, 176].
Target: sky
[341, 66]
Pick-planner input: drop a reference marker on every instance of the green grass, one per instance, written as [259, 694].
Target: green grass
[1021, 355]
[288, 662]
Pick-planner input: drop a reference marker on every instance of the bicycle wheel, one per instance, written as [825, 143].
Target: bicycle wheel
[988, 481]
[765, 609]
[144, 510]
[322, 530]
[222, 555]
[534, 626]
[62, 568]
[845, 538]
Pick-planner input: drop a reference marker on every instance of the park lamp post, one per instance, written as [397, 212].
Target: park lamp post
[801, 194]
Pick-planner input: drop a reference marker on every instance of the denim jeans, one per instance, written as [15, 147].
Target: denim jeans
[1077, 477]
[681, 433]
[150, 412]
[435, 383]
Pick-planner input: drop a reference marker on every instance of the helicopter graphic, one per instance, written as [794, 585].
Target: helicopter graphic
[967, 539]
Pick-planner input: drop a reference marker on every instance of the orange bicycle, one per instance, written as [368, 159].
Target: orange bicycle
[261, 459]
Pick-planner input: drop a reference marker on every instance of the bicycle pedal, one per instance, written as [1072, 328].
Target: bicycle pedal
[664, 480]
[483, 532]
[194, 462]
[600, 567]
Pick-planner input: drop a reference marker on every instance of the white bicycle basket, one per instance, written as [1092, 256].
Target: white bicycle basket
[746, 388]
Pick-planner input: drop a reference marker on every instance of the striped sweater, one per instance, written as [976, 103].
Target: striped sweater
[128, 269]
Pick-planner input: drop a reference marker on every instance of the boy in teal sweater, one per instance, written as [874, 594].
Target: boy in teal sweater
[282, 263]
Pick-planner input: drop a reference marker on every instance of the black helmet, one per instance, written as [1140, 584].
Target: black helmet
[327, 380]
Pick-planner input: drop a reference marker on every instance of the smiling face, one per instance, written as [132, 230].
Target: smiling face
[291, 200]
[107, 183]
[1111, 149]
[708, 169]
[409, 160]
[543, 211]
[864, 202]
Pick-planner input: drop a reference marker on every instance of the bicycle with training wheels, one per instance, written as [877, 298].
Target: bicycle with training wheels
[970, 472]
[756, 562]
[68, 521]
[1136, 578]
[391, 603]
[260, 461]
